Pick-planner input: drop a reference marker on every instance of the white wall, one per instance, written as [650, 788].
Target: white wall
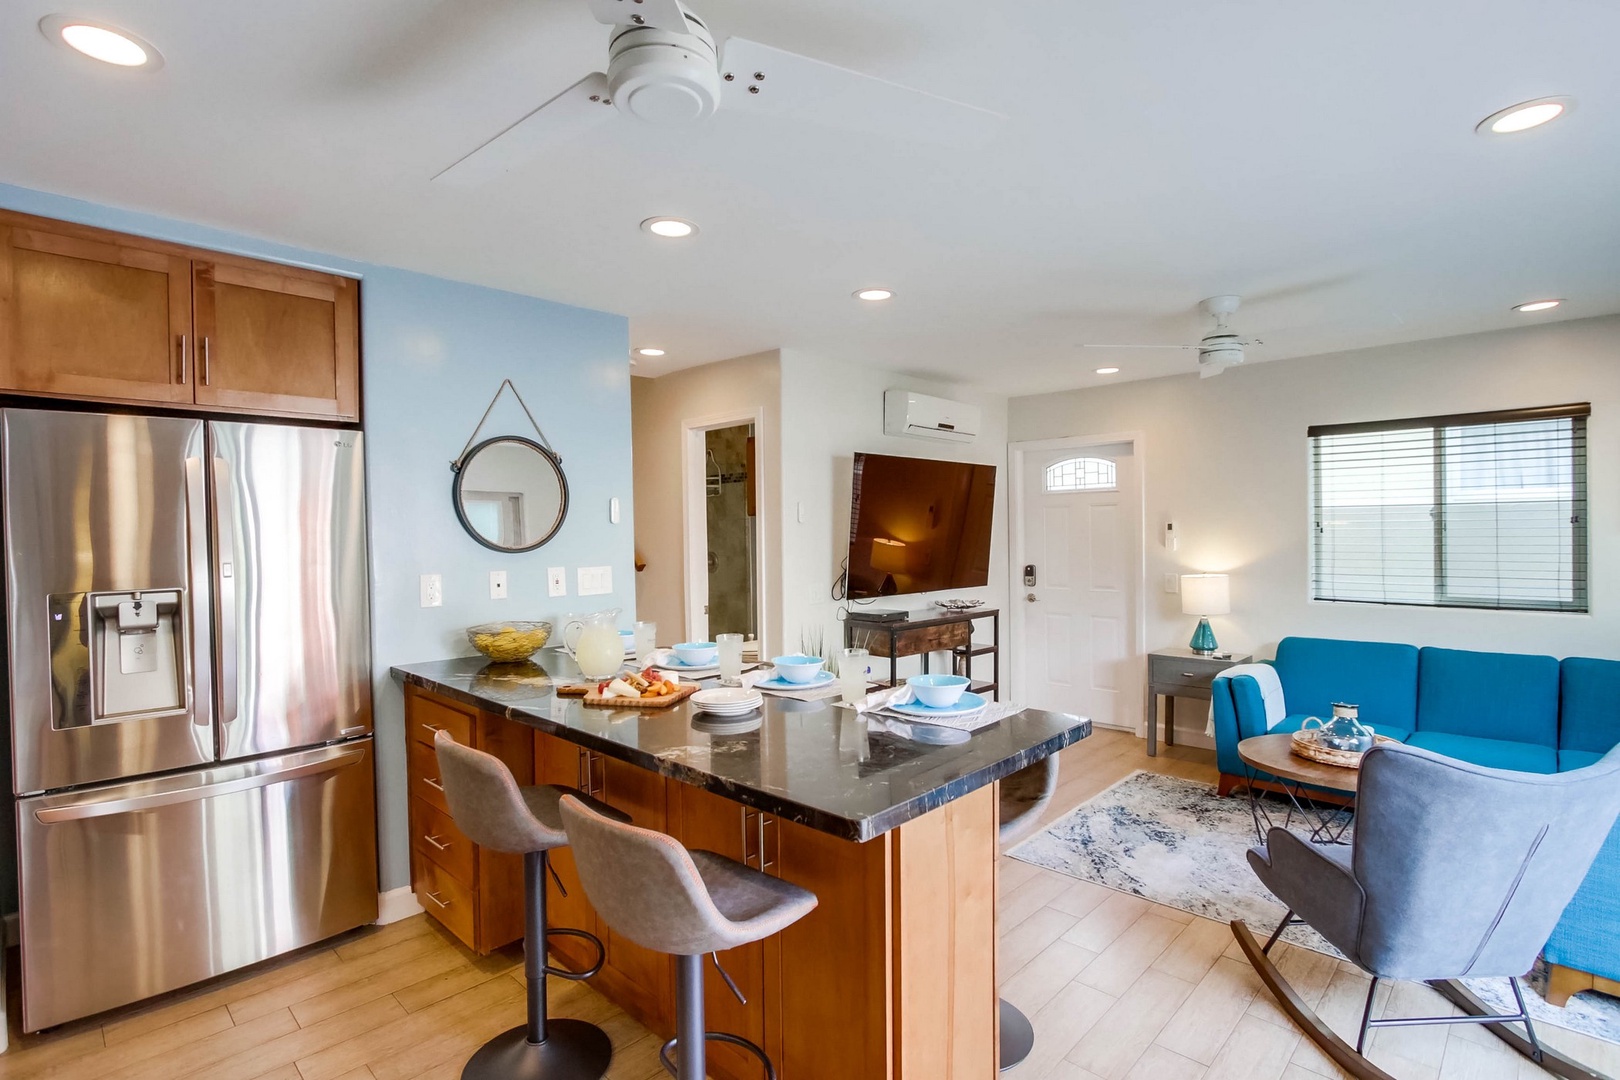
[1227, 459]
[831, 411]
[659, 408]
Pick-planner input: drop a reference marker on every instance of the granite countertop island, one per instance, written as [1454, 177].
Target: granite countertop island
[813, 763]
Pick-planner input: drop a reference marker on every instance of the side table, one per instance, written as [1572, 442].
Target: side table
[1177, 673]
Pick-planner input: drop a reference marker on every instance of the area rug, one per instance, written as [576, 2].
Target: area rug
[1175, 842]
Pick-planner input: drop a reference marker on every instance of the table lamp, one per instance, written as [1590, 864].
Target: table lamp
[890, 557]
[1205, 595]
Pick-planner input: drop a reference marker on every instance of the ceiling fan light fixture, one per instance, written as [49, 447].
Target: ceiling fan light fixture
[1536, 305]
[874, 296]
[101, 41]
[1108, 371]
[649, 352]
[1525, 115]
[670, 228]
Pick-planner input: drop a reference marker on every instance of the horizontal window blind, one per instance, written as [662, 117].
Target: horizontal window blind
[1485, 510]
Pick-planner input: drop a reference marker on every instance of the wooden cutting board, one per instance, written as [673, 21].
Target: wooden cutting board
[664, 701]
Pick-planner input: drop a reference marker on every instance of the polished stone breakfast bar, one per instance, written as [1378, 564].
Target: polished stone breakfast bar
[892, 976]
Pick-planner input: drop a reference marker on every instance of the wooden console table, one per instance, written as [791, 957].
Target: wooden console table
[930, 631]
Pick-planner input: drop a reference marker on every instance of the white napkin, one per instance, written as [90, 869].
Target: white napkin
[878, 705]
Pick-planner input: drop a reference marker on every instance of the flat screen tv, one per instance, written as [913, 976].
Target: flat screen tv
[917, 525]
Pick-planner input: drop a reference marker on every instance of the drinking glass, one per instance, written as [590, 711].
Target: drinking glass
[853, 667]
[731, 648]
[646, 641]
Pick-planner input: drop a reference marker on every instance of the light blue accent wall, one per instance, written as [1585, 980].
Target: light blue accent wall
[433, 354]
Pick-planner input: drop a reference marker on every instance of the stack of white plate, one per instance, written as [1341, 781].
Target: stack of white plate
[728, 700]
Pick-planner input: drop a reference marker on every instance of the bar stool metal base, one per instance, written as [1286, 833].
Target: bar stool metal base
[1017, 1036]
[573, 1050]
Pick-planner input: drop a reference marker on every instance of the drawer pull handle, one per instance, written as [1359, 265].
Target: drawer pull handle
[434, 728]
[1188, 675]
[434, 784]
[434, 840]
[435, 898]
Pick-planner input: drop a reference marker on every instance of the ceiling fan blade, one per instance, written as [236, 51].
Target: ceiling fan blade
[664, 14]
[1088, 345]
[769, 81]
[578, 108]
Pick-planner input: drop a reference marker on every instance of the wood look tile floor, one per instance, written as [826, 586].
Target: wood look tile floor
[1117, 988]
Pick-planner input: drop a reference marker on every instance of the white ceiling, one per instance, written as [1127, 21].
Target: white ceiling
[1318, 159]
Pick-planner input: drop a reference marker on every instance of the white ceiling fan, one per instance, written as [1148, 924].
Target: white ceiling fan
[1219, 350]
[664, 68]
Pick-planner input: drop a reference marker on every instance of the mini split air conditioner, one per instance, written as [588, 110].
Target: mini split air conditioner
[924, 417]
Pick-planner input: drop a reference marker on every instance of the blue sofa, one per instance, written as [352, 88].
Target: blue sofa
[1502, 710]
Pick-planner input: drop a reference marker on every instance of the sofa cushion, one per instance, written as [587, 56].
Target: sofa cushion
[1491, 753]
[1589, 704]
[1294, 722]
[1379, 676]
[1570, 760]
[1511, 696]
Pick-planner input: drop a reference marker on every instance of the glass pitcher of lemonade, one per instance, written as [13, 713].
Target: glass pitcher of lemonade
[595, 643]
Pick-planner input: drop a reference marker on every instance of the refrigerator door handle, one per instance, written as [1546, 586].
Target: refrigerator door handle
[195, 792]
[225, 590]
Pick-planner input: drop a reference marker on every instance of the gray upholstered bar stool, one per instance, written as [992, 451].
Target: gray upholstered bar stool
[1024, 795]
[489, 806]
[686, 903]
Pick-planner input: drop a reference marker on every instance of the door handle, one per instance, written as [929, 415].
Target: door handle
[183, 371]
[434, 840]
[205, 361]
[194, 792]
[225, 589]
[434, 784]
[1030, 597]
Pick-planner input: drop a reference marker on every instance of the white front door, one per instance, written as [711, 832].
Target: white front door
[1082, 543]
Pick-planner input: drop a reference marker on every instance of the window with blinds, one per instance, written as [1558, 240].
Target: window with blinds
[1485, 510]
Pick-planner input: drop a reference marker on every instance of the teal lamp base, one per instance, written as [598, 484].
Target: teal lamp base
[1203, 639]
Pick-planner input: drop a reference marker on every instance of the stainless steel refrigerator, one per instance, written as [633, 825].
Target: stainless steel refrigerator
[190, 709]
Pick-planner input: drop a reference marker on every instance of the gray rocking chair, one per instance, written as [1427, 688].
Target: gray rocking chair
[1457, 871]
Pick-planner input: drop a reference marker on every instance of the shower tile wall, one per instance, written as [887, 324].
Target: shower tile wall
[731, 532]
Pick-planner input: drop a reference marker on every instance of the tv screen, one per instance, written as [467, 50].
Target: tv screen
[917, 525]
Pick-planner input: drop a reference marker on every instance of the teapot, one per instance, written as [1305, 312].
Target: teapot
[1344, 732]
[593, 641]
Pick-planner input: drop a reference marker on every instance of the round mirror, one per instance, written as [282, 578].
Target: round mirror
[510, 494]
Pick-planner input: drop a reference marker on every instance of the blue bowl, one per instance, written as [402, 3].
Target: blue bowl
[938, 691]
[697, 653]
[797, 668]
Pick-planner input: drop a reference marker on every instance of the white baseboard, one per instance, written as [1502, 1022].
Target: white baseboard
[396, 904]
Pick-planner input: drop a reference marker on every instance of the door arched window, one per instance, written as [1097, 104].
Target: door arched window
[1081, 474]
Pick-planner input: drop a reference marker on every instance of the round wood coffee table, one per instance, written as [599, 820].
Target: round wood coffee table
[1297, 778]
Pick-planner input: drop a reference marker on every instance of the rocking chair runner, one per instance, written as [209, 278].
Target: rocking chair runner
[1457, 871]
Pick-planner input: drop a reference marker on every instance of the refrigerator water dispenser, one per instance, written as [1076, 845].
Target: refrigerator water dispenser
[137, 655]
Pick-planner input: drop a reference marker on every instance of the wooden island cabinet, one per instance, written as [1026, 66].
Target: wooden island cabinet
[96, 315]
[891, 977]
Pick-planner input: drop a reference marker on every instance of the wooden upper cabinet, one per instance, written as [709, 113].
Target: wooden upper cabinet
[276, 339]
[97, 315]
[87, 315]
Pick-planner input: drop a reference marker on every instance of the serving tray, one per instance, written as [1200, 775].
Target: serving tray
[1307, 747]
[663, 701]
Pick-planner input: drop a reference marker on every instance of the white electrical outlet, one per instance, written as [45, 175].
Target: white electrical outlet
[557, 581]
[432, 590]
[595, 580]
[497, 584]
[1172, 583]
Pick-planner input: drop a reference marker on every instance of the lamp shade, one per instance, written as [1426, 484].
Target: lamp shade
[889, 556]
[1205, 594]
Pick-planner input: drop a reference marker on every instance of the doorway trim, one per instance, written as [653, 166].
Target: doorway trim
[1017, 454]
[695, 518]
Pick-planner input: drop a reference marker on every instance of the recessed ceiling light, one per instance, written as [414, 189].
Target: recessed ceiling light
[874, 295]
[1108, 371]
[1537, 305]
[1525, 115]
[649, 352]
[671, 228]
[100, 41]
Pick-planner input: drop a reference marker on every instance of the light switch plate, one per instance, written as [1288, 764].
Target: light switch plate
[595, 580]
[557, 581]
[497, 584]
[432, 590]
[613, 511]
[1172, 583]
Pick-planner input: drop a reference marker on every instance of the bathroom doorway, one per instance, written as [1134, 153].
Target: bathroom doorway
[724, 575]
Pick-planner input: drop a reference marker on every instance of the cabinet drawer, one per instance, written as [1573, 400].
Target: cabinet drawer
[435, 836]
[1168, 672]
[426, 717]
[446, 899]
[423, 766]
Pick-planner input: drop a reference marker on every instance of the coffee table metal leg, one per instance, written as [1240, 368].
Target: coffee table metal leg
[1328, 823]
